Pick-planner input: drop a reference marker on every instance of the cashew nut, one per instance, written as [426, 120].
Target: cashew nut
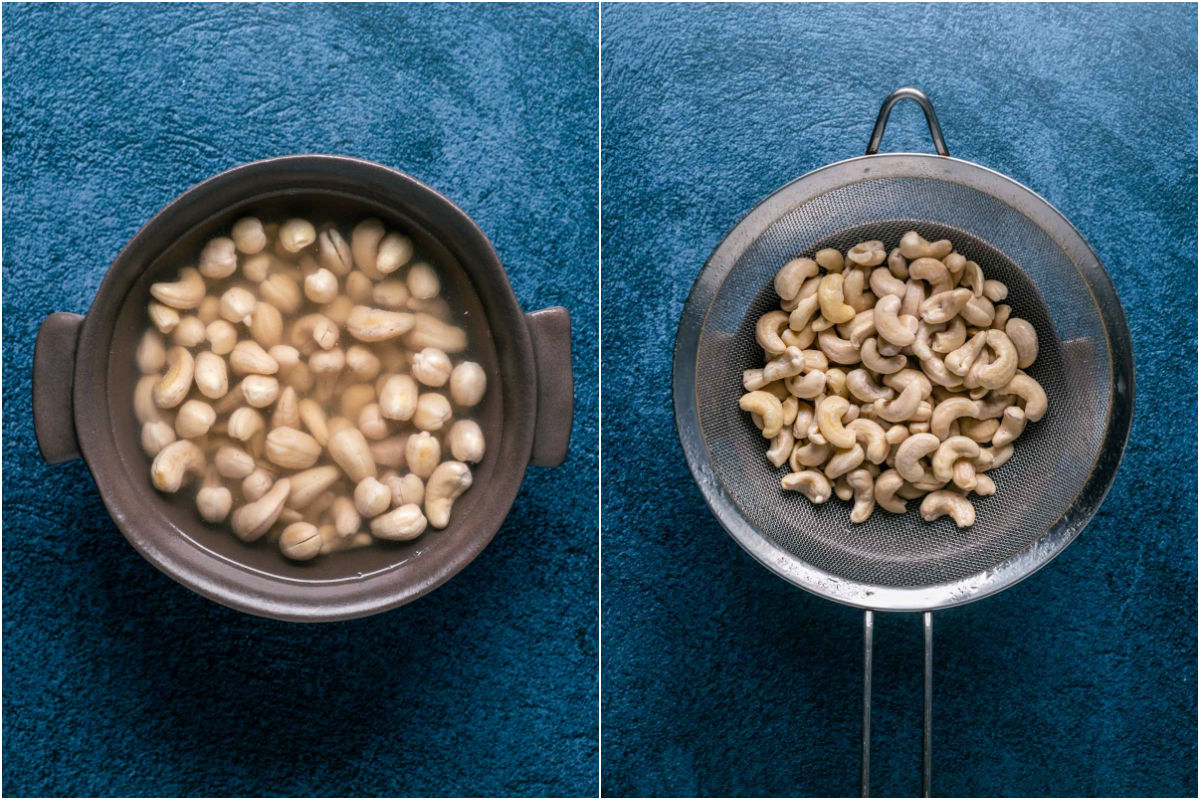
[867, 254]
[885, 492]
[948, 452]
[792, 275]
[874, 361]
[1031, 392]
[910, 452]
[902, 407]
[175, 463]
[832, 301]
[1024, 339]
[445, 485]
[254, 519]
[900, 331]
[863, 484]
[943, 503]
[175, 384]
[913, 245]
[952, 338]
[184, 293]
[400, 524]
[768, 407]
[945, 306]
[873, 438]
[809, 483]
[828, 417]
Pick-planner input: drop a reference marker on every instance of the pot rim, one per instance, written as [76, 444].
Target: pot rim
[242, 587]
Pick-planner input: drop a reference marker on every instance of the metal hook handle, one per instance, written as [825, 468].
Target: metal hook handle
[926, 717]
[907, 93]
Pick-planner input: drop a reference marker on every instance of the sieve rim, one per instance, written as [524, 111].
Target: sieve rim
[1039, 212]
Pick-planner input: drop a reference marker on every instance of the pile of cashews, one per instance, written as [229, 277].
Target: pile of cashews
[915, 387]
[309, 386]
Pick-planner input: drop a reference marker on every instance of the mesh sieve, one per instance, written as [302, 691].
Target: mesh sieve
[1062, 465]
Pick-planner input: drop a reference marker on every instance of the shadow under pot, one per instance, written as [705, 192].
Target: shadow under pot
[84, 375]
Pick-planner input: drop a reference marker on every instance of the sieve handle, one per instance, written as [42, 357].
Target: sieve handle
[550, 330]
[926, 718]
[907, 93]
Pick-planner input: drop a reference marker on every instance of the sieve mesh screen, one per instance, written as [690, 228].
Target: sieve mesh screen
[1053, 459]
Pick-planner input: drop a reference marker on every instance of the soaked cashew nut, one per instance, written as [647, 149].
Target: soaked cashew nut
[300, 541]
[867, 254]
[768, 407]
[445, 485]
[832, 301]
[948, 411]
[400, 524]
[945, 306]
[1031, 392]
[334, 253]
[961, 360]
[781, 447]
[943, 503]
[429, 331]
[828, 417]
[884, 283]
[254, 519]
[899, 330]
[1011, 425]
[1003, 366]
[767, 330]
[902, 407]
[871, 436]
[395, 250]
[913, 245]
[810, 483]
[175, 384]
[175, 464]
[910, 452]
[886, 486]
[862, 386]
[978, 311]
[874, 361]
[792, 276]
[952, 338]
[837, 349]
[378, 325]
[1024, 339]
[948, 452]
[863, 484]
[184, 293]
[218, 259]
[843, 461]
[350, 451]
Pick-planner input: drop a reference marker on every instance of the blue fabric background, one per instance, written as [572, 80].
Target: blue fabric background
[119, 681]
[718, 677]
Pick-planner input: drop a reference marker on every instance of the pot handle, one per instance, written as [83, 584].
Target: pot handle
[550, 329]
[53, 381]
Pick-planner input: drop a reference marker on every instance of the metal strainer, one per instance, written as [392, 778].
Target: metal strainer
[1062, 466]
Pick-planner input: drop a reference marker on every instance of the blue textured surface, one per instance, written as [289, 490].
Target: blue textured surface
[119, 681]
[720, 679]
